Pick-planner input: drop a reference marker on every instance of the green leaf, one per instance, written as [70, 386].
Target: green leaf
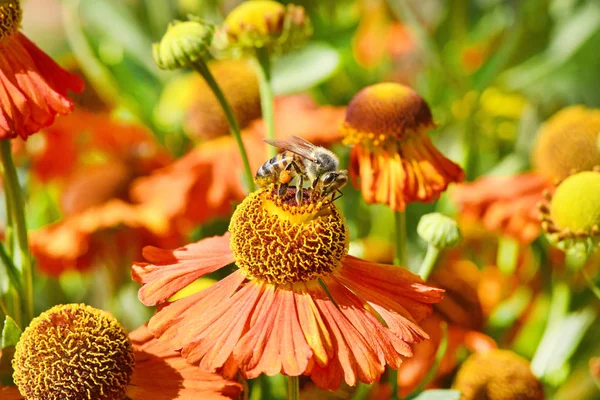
[438, 394]
[303, 69]
[10, 333]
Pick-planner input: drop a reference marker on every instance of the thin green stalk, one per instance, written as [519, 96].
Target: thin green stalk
[9, 230]
[439, 356]
[9, 267]
[266, 94]
[13, 189]
[400, 254]
[293, 388]
[429, 262]
[201, 67]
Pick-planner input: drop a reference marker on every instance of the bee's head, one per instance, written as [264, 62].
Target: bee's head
[333, 181]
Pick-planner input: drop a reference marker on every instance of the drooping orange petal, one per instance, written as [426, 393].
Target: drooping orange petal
[162, 374]
[388, 346]
[357, 359]
[167, 322]
[275, 342]
[169, 271]
[224, 326]
[33, 88]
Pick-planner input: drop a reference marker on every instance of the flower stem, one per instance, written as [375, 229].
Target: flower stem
[400, 222]
[201, 67]
[429, 262]
[13, 192]
[293, 388]
[266, 94]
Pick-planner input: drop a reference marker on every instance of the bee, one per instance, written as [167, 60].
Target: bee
[303, 160]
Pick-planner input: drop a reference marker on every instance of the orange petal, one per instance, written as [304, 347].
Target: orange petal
[171, 270]
[357, 359]
[162, 374]
[275, 342]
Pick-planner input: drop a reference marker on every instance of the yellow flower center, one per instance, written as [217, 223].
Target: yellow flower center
[10, 17]
[278, 241]
[567, 142]
[495, 375]
[263, 17]
[385, 112]
[576, 203]
[73, 351]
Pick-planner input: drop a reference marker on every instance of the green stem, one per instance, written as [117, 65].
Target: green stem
[9, 231]
[293, 388]
[13, 189]
[234, 127]
[400, 222]
[266, 94]
[429, 262]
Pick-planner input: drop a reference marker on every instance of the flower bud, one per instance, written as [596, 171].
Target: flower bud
[183, 44]
[439, 231]
[267, 24]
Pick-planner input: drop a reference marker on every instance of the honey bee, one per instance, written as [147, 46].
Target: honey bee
[303, 160]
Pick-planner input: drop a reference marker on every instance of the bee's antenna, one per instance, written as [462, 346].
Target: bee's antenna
[334, 198]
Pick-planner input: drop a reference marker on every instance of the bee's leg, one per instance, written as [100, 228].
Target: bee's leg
[282, 190]
[314, 187]
[299, 190]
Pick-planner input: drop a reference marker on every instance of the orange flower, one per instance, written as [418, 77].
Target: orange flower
[159, 373]
[505, 204]
[94, 197]
[273, 315]
[392, 154]
[207, 180]
[565, 143]
[34, 87]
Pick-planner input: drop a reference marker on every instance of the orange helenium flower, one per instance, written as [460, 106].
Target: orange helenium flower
[392, 155]
[273, 315]
[162, 374]
[34, 87]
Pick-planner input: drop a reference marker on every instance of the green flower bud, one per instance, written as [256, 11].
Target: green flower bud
[183, 44]
[439, 231]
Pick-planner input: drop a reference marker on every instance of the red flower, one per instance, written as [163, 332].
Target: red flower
[33, 87]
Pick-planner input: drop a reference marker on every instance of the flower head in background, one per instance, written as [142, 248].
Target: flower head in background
[497, 375]
[268, 25]
[393, 160]
[103, 362]
[565, 143]
[34, 88]
[273, 315]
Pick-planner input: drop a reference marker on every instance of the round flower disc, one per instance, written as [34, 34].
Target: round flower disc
[73, 351]
[277, 241]
[576, 202]
[10, 17]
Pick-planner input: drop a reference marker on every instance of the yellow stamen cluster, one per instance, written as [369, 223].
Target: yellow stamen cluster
[278, 241]
[567, 143]
[385, 113]
[10, 17]
[497, 375]
[267, 24]
[73, 351]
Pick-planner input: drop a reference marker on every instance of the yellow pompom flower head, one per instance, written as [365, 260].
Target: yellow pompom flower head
[73, 351]
[266, 24]
[571, 216]
[567, 143]
[393, 157]
[497, 375]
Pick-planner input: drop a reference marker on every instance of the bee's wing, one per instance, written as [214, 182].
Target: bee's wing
[295, 145]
